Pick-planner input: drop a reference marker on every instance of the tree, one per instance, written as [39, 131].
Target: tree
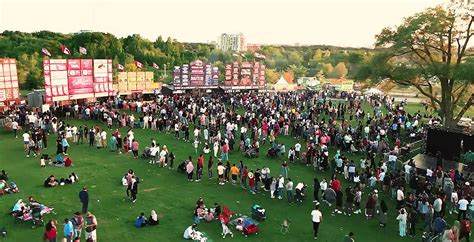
[318, 55]
[431, 47]
[298, 70]
[327, 68]
[340, 70]
[271, 75]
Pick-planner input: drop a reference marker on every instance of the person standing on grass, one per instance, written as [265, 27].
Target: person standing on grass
[402, 222]
[51, 232]
[209, 166]
[235, 172]
[220, 173]
[119, 144]
[289, 190]
[281, 182]
[26, 140]
[284, 169]
[190, 169]
[135, 148]
[134, 189]
[317, 218]
[84, 197]
[68, 230]
[78, 223]
[316, 188]
[225, 152]
[15, 126]
[65, 145]
[91, 227]
[200, 167]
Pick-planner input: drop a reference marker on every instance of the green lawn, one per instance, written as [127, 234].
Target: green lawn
[170, 194]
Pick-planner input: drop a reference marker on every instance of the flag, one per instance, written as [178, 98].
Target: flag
[46, 51]
[138, 64]
[65, 50]
[235, 54]
[82, 50]
[155, 66]
[120, 67]
[242, 55]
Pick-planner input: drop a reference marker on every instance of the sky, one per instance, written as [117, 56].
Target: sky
[349, 23]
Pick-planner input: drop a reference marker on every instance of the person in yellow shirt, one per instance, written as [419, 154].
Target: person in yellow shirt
[234, 171]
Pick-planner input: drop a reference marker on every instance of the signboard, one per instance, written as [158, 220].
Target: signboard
[9, 92]
[228, 75]
[208, 78]
[235, 73]
[197, 73]
[215, 75]
[347, 85]
[136, 82]
[177, 76]
[55, 75]
[185, 75]
[245, 75]
[103, 77]
[262, 75]
[80, 81]
[70, 79]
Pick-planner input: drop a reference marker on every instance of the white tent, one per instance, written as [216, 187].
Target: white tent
[283, 85]
[373, 90]
[281, 82]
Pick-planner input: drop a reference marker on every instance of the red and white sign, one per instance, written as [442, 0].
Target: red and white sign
[103, 77]
[76, 78]
[197, 73]
[55, 74]
[8, 82]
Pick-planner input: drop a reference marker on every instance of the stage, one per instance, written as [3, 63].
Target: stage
[423, 162]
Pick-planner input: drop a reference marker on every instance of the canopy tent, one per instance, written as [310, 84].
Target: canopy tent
[373, 90]
[283, 85]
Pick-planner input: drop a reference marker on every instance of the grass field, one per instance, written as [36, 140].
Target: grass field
[170, 194]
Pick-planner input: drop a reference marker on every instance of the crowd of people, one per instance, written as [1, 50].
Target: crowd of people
[330, 133]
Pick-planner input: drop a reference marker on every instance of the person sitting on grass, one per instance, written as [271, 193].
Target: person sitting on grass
[51, 181]
[141, 221]
[4, 175]
[192, 234]
[59, 160]
[67, 161]
[153, 220]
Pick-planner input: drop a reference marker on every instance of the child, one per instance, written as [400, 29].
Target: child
[42, 162]
[171, 160]
[226, 231]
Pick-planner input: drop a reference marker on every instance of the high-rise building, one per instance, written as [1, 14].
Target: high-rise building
[232, 42]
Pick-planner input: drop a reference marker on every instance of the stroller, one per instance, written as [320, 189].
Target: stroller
[258, 213]
[37, 217]
[300, 192]
[146, 153]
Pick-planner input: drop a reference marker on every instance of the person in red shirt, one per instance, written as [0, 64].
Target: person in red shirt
[335, 184]
[51, 232]
[225, 152]
[67, 161]
[200, 167]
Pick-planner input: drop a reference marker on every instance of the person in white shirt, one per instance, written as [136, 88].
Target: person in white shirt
[153, 151]
[15, 128]
[317, 218]
[463, 203]
[220, 173]
[400, 198]
[454, 202]
[297, 150]
[323, 185]
[26, 140]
